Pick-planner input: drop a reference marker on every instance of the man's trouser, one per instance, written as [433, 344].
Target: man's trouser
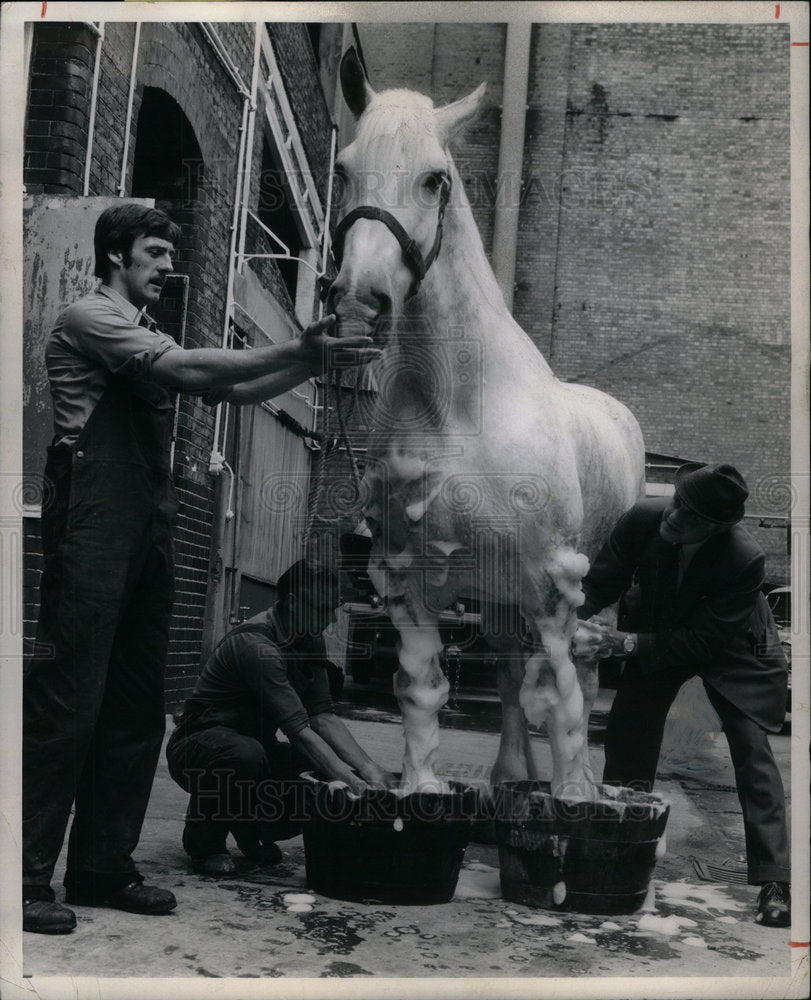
[634, 738]
[236, 785]
[93, 708]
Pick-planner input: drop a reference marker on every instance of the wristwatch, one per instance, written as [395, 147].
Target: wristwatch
[629, 643]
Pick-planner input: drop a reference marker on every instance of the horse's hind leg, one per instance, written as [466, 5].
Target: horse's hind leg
[421, 689]
[515, 761]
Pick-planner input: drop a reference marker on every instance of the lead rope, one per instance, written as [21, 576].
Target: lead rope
[326, 447]
[332, 390]
[343, 435]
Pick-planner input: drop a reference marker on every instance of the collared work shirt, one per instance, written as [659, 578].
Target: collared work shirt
[97, 336]
[254, 683]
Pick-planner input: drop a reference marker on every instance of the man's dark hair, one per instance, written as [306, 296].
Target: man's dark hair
[305, 578]
[319, 585]
[118, 227]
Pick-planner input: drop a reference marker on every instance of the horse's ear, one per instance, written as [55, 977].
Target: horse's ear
[355, 86]
[453, 117]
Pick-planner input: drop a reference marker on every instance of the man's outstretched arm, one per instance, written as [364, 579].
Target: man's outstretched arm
[251, 376]
[333, 731]
[325, 760]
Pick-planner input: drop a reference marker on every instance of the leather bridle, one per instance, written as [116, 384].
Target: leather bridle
[417, 264]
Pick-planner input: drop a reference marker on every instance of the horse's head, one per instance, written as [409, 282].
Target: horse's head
[394, 182]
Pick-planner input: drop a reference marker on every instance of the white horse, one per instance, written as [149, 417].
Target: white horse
[485, 475]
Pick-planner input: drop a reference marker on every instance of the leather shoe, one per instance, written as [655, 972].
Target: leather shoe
[46, 917]
[215, 865]
[134, 898]
[774, 905]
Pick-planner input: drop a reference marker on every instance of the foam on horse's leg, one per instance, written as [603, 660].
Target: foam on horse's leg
[553, 695]
[421, 690]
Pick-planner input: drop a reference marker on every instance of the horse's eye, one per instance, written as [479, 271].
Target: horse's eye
[433, 182]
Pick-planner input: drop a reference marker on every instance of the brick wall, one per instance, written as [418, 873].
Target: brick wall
[62, 59]
[665, 276]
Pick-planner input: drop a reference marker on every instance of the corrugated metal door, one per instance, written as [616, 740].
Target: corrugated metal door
[273, 483]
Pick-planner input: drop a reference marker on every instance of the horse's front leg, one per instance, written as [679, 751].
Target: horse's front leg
[515, 761]
[551, 692]
[421, 689]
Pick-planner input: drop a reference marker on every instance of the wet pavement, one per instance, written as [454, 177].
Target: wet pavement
[267, 924]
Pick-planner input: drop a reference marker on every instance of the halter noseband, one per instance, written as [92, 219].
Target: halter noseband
[417, 264]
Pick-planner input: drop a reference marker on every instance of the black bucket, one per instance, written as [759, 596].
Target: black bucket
[382, 847]
[586, 857]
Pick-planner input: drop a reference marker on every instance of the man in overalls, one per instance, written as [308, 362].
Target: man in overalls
[93, 712]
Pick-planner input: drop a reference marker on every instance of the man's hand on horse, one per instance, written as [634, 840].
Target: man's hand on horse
[322, 351]
[593, 641]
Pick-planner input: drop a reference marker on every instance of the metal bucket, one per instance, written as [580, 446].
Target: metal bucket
[582, 856]
[383, 847]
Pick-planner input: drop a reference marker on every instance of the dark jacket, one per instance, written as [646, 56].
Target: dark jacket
[715, 623]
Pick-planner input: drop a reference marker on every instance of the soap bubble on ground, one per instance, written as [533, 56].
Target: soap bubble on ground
[533, 919]
[700, 897]
[581, 938]
[664, 925]
[298, 902]
[695, 942]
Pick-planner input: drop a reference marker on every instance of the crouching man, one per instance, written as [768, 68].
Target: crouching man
[267, 674]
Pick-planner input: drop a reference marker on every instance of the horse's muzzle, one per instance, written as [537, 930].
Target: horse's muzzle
[358, 315]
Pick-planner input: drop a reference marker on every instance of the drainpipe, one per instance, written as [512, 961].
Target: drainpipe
[246, 186]
[235, 494]
[91, 128]
[248, 104]
[217, 462]
[122, 187]
[184, 309]
[510, 156]
[229, 292]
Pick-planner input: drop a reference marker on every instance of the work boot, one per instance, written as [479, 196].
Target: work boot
[220, 865]
[266, 855]
[43, 916]
[134, 898]
[774, 905]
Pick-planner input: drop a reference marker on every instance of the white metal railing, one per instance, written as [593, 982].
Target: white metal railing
[287, 255]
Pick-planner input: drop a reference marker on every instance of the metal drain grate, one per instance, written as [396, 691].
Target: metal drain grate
[720, 873]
